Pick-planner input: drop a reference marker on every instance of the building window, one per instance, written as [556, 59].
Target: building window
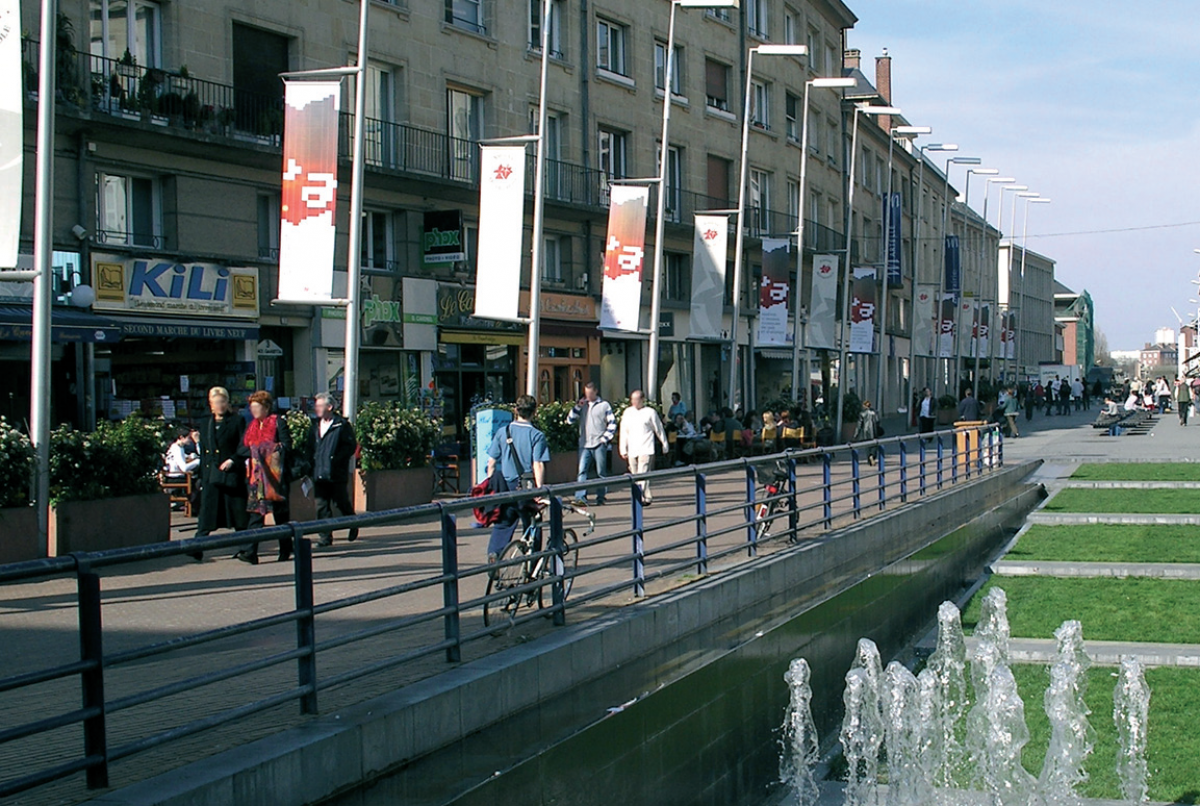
[756, 17]
[610, 47]
[376, 241]
[718, 181]
[268, 226]
[552, 260]
[760, 105]
[791, 27]
[677, 277]
[535, 27]
[792, 113]
[813, 42]
[660, 68]
[758, 200]
[832, 65]
[378, 130]
[465, 127]
[721, 14]
[128, 210]
[793, 200]
[117, 26]
[833, 150]
[716, 85]
[612, 153]
[466, 14]
[674, 179]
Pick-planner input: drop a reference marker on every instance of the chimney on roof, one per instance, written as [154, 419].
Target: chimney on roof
[852, 59]
[883, 85]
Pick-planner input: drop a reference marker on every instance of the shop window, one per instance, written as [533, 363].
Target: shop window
[128, 210]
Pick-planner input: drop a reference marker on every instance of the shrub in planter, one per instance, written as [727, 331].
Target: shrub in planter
[551, 419]
[16, 466]
[117, 459]
[392, 436]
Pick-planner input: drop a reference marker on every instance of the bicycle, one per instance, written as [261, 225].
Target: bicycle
[767, 511]
[510, 573]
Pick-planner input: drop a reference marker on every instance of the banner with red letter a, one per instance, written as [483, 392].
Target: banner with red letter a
[625, 248]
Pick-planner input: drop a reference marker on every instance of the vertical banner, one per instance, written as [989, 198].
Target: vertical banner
[893, 215]
[773, 293]
[862, 311]
[985, 330]
[923, 320]
[11, 132]
[501, 227]
[621, 294]
[309, 191]
[965, 308]
[709, 247]
[1011, 329]
[946, 326]
[953, 282]
[973, 347]
[822, 316]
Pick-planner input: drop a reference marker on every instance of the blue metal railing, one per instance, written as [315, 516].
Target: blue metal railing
[653, 549]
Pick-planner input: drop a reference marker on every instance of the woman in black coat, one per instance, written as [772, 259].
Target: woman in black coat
[222, 467]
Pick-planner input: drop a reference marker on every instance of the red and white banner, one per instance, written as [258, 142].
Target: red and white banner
[709, 248]
[985, 330]
[309, 192]
[624, 250]
[773, 294]
[821, 332]
[11, 134]
[924, 316]
[862, 311]
[1010, 330]
[501, 228]
[946, 326]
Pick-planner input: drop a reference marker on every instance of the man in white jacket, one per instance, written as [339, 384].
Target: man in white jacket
[640, 425]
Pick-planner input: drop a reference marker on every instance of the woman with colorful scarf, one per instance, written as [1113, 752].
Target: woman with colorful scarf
[267, 447]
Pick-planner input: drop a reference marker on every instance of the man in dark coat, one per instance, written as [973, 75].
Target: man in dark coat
[333, 447]
[222, 468]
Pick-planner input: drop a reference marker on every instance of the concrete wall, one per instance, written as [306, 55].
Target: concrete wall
[869, 568]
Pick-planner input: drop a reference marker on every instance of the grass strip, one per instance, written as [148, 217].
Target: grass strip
[1151, 502]
[1138, 471]
[1109, 543]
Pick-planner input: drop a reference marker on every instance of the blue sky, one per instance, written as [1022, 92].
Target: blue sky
[1087, 102]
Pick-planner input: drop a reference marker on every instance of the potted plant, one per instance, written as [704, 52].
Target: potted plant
[18, 520]
[225, 120]
[947, 409]
[104, 487]
[148, 96]
[394, 443]
[299, 424]
[562, 439]
[127, 64]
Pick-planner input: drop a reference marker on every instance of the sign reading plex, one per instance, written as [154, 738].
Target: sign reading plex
[150, 285]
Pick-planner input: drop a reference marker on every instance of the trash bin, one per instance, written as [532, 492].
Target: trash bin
[488, 421]
[966, 439]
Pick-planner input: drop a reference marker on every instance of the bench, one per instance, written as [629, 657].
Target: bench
[1138, 421]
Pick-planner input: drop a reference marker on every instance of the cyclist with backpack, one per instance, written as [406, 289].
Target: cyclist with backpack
[518, 450]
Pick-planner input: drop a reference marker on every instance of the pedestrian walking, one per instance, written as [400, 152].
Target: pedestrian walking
[597, 427]
[968, 407]
[1064, 397]
[640, 426]
[1031, 402]
[333, 446]
[926, 414]
[1077, 394]
[267, 449]
[1011, 410]
[1183, 399]
[520, 449]
[867, 428]
[1162, 391]
[222, 468]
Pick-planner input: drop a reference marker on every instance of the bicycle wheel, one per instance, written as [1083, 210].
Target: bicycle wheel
[509, 576]
[762, 529]
[570, 561]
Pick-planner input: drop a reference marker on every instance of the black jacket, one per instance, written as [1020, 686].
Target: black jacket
[332, 453]
[218, 442]
[283, 437]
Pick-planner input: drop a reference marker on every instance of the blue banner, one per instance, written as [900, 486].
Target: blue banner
[953, 266]
[893, 215]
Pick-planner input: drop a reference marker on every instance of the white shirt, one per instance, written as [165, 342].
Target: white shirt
[927, 408]
[323, 426]
[177, 463]
[639, 427]
[1076, 389]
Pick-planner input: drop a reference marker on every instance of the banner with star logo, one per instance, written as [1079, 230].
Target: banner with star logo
[624, 253]
[923, 319]
[821, 332]
[862, 311]
[709, 247]
[501, 228]
[773, 294]
[309, 192]
[11, 134]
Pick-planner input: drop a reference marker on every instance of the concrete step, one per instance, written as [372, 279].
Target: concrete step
[1044, 518]
[1044, 568]
[1084, 484]
[1102, 653]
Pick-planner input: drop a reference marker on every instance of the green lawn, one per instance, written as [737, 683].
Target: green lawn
[1174, 742]
[1155, 502]
[1151, 610]
[1126, 471]
[1109, 543]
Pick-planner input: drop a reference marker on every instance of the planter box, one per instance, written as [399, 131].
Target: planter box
[946, 416]
[303, 509]
[391, 489]
[18, 535]
[109, 523]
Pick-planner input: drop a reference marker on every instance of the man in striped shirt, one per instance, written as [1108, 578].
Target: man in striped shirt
[597, 426]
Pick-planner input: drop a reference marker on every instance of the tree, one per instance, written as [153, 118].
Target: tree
[1103, 356]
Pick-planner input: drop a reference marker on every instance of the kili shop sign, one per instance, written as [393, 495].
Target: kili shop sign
[146, 285]
[442, 239]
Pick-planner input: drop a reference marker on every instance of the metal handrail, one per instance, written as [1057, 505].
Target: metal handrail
[863, 492]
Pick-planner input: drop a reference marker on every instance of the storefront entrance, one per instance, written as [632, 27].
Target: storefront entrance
[467, 374]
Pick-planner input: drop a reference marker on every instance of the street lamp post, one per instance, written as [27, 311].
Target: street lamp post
[964, 246]
[920, 193]
[907, 132]
[984, 259]
[354, 263]
[764, 50]
[830, 83]
[864, 109]
[664, 151]
[1007, 271]
[1030, 198]
[937, 380]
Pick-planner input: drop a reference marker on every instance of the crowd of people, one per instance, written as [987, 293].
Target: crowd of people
[1159, 396]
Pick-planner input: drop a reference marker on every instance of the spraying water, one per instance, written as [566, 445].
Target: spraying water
[993, 621]
[862, 735]
[1131, 711]
[984, 661]
[801, 751]
[1071, 736]
[1004, 778]
[902, 729]
[948, 697]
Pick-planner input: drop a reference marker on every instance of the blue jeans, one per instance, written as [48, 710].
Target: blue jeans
[590, 458]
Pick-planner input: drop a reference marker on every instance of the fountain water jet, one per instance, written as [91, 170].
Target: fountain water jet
[1071, 736]
[1131, 711]
[993, 621]
[948, 667]
[862, 736]
[801, 749]
[902, 735]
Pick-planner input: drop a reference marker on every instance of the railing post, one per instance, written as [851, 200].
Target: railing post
[306, 629]
[941, 455]
[881, 459]
[998, 447]
[827, 488]
[903, 452]
[91, 649]
[751, 532]
[701, 523]
[979, 450]
[954, 460]
[558, 586]
[793, 514]
[639, 563]
[856, 483]
[450, 621]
